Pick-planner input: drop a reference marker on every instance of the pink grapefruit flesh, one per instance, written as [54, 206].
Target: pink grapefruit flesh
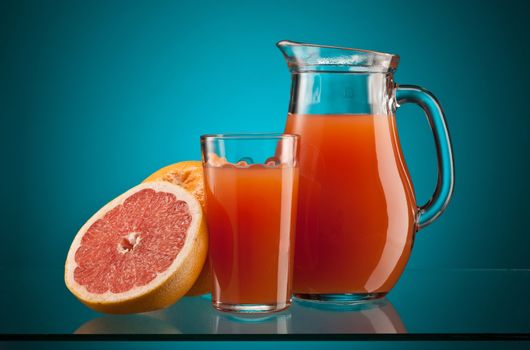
[150, 240]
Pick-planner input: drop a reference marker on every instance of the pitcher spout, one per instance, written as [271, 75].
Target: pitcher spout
[303, 57]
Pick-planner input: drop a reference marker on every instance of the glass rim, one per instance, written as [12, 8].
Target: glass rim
[250, 136]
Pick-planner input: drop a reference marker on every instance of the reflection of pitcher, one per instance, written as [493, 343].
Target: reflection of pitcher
[357, 214]
[375, 317]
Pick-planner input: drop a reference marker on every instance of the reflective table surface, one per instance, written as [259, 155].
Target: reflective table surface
[36, 302]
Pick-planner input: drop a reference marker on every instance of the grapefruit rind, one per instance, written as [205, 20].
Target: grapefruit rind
[188, 174]
[169, 285]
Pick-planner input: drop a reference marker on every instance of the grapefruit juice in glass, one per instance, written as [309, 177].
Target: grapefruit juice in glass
[251, 183]
[357, 214]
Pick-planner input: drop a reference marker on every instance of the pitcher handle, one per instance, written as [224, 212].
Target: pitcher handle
[431, 210]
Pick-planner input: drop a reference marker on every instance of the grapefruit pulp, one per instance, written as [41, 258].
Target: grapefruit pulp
[141, 252]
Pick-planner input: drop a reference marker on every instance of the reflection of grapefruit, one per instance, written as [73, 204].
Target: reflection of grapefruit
[188, 174]
[126, 324]
[140, 252]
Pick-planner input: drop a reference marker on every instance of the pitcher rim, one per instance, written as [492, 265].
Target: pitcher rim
[337, 59]
[298, 43]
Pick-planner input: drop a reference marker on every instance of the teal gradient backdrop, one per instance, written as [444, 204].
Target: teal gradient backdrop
[96, 95]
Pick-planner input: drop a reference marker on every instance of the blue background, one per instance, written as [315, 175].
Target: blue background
[96, 95]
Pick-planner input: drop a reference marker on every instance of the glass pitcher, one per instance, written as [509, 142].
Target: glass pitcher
[357, 213]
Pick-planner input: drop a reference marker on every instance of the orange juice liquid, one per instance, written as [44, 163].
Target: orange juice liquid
[356, 206]
[251, 231]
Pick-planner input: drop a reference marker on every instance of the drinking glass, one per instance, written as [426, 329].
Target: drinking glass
[251, 184]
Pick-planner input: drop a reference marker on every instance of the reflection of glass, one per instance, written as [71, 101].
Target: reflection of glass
[196, 316]
[245, 324]
[251, 183]
[126, 324]
[373, 317]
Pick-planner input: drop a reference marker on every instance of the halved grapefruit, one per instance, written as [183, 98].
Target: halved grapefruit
[141, 252]
[188, 174]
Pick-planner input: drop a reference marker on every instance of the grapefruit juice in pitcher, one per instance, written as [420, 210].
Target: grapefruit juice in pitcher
[343, 196]
[357, 214]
